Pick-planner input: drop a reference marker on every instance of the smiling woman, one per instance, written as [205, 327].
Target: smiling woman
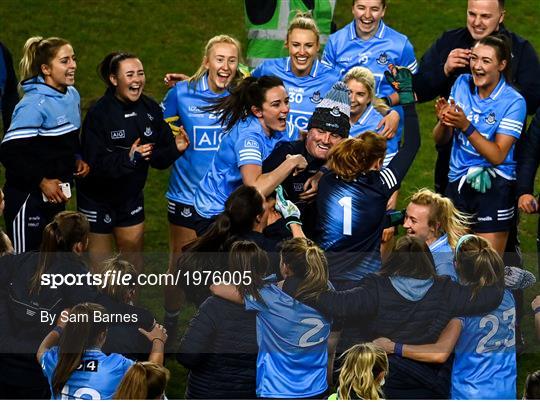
[38, 150]
[123, 135]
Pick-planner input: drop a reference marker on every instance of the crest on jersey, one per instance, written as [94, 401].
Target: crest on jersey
[148, 132]
[382, 59]
[490, 118]
[186, 212]
[107, 218]
[316, 98]
[335, 111]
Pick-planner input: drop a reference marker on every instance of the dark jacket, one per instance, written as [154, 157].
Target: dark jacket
[430, 81]
[8, 86]
[21, 331]
[109, 130]
[219, 348]
[389, 314]
[528, 157]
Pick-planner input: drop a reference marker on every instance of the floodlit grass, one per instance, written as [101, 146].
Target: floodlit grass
[170, 35]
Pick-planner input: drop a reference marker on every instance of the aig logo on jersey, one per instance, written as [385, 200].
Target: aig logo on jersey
[490, 119]
[251, 144]
[206, 138]
[117, 135]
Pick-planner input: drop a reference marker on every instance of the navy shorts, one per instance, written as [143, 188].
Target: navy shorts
[104, 218]
[181, 214]
[26, 215]
[201, 223]
[493, 211]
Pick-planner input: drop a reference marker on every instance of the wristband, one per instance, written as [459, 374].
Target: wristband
[471, 129]
[58, 329]
[537, 310]
[398, 349]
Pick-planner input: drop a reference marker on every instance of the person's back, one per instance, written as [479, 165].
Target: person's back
[220, 350]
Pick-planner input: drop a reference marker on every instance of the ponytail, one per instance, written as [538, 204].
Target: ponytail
[248, 259]
[76, 338]
[60, 236]
[237, 105]
[111, 64]
[144, 380]
[358, 375]
[36, 52]
[478, 264]
[443, 215]
[355, 156]
[307, 262]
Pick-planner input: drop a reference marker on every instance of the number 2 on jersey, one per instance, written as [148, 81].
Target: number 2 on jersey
[509, 317]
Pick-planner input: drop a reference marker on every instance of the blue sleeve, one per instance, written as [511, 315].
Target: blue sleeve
[165, 151]
[26, 121]
[392, 175]
[253, 304]
[408, 58]
[329, 54]
[170, 104]
[258, 71]
[248, 150]
[48, 362]
[512, 121]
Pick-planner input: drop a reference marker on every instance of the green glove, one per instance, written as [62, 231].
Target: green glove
[479, 178]
[287, 209]
[401, 80]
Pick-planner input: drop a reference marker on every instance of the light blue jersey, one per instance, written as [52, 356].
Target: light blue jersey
[443, 255]
[97, 377]
[345, 50]
[502, 112]
[292, 339]
[305, 93]
[485, 359]
[245, 144]
[44, 112]
[185, 100]
[369, 120]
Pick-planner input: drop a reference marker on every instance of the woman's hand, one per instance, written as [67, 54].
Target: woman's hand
[81, 168]
[52, 190]
[158, 332]
[299, 162]
[528, 204]
[441, 107]
[144, 150]
[181, 139]
[455, 117]
[386, 344]
[389, 124]
[171, 79]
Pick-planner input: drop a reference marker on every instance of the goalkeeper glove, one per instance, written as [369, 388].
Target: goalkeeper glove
[175, 129]
[287, 209]
[401, 80]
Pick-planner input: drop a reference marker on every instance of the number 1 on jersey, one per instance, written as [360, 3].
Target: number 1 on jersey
[346, 203]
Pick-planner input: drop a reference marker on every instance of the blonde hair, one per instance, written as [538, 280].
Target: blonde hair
[303, 21]
[354, 156]
[363, 364]
[209, 45]
[307, 262]
[478, 264]
[366, 77]
[36, 52]
[443, 212]
[114, 289]
[143, 380]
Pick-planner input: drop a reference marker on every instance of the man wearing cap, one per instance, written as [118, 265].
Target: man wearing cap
[327, 127]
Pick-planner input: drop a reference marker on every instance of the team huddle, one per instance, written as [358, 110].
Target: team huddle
[285, 174]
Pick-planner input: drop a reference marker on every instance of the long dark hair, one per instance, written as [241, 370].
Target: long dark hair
[247, 258]
[76, 338]
[241, 210]
[410, 258]
[60, 236]
[237, 105]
